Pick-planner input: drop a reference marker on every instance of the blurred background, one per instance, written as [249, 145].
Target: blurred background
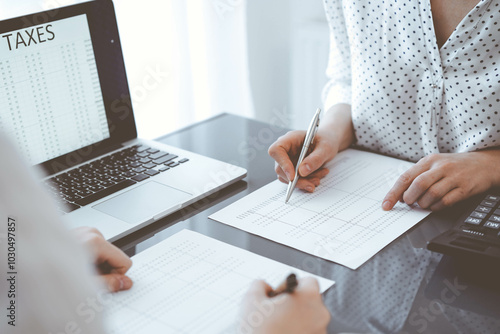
[188, 60]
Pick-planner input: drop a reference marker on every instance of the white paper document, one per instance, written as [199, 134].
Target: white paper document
[190, 283]
[342, 221]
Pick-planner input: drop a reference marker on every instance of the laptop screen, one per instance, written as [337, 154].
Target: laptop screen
[51, 100]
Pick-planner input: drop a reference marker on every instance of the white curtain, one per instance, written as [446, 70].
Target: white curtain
[186, 60]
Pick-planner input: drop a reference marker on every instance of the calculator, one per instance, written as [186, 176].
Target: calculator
[476, 233]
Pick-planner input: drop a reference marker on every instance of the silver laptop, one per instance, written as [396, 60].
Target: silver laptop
[65, 101]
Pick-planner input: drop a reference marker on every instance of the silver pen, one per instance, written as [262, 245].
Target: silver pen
[310, 134]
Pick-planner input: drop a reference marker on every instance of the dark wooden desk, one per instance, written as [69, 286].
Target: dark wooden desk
[404, 288]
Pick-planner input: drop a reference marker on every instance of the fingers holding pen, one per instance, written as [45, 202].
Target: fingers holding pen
[308, 183]
[286, 150]
[321, 153]
[111, 263]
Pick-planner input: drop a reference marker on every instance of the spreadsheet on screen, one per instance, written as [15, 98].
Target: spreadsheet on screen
[51, 101]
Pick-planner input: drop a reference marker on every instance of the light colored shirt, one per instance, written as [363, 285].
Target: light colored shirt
[45, 278]
[408, 97]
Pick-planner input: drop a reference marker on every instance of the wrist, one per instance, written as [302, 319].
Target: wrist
[496, 167]
[336, 125]
[492, 164]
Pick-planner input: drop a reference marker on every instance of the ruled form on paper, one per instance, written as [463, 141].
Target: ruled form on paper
[342, 221]
[191, 283]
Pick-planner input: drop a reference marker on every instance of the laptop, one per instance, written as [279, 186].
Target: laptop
[65, 102]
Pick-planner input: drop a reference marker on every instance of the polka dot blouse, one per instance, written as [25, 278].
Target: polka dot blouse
[408, 97]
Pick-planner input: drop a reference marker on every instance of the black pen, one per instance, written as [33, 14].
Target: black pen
[288, 286]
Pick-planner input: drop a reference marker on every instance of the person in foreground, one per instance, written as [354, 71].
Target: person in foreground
[300, 312]
[62, 273]
[411, 80]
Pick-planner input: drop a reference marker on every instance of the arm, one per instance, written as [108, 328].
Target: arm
[441, 180]
[335, 132]
[338, 88]
[54, 277]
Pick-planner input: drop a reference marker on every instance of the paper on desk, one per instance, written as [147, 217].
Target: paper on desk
[190, 283]
[342, 221]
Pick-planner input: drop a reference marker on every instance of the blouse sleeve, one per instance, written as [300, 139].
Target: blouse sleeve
[338, 88]
[53, 289]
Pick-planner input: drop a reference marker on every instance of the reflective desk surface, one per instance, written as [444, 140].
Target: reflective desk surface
[405, 288]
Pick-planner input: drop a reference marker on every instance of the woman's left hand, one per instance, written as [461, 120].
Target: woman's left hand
[440, 180]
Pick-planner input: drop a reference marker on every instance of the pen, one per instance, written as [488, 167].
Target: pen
[311, 132]
[288, 286]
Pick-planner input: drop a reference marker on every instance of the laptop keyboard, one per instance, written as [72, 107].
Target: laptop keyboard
[112, 173]
[484, 220]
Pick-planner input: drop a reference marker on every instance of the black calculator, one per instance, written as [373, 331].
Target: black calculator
[476, 233]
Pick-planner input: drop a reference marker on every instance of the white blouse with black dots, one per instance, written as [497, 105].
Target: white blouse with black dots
[408, 97]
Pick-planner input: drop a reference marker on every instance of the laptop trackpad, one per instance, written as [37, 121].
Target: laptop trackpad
[143, 203]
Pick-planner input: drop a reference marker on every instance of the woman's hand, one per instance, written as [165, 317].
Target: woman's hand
[286, 150]
[335, 133]
[440, 180]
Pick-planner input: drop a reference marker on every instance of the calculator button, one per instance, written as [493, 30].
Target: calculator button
[492, 225]
[488, 203]
[497, 212]
[476, 214]
[484, 209]
[472, 220]
[495, 219]
[492, 198]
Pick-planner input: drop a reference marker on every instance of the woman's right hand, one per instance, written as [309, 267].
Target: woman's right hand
[286, 150]
[335, 134]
